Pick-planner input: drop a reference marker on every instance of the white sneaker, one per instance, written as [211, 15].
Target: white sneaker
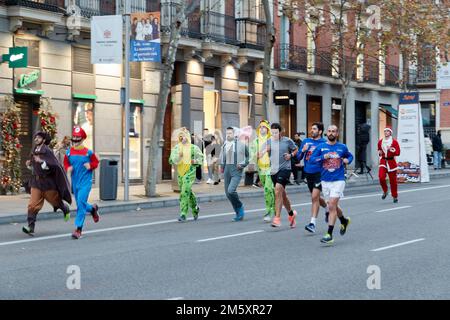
[209, 181]
[267, 218]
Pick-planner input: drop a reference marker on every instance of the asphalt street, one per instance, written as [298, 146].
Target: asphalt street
[147, 254]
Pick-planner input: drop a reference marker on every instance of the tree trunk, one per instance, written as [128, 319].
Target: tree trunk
[270, 40]
[150, 182]
[342, 117]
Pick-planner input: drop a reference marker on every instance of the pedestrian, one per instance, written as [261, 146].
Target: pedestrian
[388, 149]
[187, 157]
[296, 164]
[80, 163]
[428, 149]
[333, 156]
[48, 182]
[61, 149]
[261, 159]
[281, 150]
[437, 150]
[313, 174]
[234, 158]
[362, 140]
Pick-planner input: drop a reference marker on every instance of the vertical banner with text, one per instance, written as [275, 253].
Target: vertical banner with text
[106, 40]
[145, 37]
[412, 163]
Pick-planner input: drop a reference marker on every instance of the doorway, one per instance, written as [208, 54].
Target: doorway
[288, 116]
[314, 110]
[28, 106]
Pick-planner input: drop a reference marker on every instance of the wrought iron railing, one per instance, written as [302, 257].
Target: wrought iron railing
[371, 72]
[48, 5]
[392, 76]
[251, 34]
[323, 63]
[290, 57]
[219, 27]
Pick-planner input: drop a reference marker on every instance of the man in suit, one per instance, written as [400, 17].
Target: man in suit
[234, 158]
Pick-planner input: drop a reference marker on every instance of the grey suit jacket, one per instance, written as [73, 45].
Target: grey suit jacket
[240, 155]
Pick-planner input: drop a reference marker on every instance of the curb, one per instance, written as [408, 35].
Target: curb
[173, 202]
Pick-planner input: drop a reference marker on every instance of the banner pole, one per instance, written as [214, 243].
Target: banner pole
[127, 99]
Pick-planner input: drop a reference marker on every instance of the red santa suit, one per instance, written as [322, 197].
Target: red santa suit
[388, 150]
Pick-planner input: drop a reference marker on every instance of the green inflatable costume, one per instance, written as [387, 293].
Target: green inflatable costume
[187, 157]
[263, 165]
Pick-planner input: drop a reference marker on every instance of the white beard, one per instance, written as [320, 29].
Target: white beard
[386, 144]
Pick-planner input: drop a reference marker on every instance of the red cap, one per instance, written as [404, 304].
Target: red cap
[79, 132]
[388, 128]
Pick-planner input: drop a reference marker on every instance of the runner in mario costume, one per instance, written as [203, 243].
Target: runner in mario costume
[80, 163]
[388, 149]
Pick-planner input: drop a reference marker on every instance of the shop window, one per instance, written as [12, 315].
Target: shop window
[33, 50]
[83, 116]
[135, 139]
[82, 60]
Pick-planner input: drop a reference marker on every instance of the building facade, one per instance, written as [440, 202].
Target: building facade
[216, 83]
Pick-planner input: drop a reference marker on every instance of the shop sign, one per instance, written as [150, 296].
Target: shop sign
[17, 57]
[26, 80]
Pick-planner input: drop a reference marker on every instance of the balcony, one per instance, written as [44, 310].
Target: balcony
[219, 27]
[392, 76]
[290, 57]
[251, 34]
[371, 72]
[91, 8]
[323, 63]
[48, 5]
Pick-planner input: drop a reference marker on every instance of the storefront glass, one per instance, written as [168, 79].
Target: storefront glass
[84, 117]
[135, 138]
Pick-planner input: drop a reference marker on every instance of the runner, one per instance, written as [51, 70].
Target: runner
[333, 156]
[313, 173]
[282, 150]
[388, 149]
[187, 157]
[263, 166]
[80, 163]
[48, 182]
[234, 158]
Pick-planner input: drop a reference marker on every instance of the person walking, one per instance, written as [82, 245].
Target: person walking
[438, 147]
[388, 149]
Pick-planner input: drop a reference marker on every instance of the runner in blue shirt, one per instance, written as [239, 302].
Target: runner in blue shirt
[333, 156]
[313, 173]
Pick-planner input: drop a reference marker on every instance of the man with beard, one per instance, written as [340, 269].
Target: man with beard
[333, 156]
[48, 182]
[388, 149]
[234, 158]
[80, 163]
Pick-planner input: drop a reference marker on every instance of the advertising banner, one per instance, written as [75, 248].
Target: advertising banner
[145, 37]
[106, 40]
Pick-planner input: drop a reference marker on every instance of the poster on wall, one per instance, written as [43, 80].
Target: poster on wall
[412, 164]
[106, 40]
[145, 37]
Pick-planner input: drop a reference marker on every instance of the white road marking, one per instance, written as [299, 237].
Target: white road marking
[397, 245]
[231, 236]
[391, 209]
[201, 217]
[176, 298]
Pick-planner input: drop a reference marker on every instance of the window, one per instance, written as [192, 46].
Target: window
[82, 60]
[135, 136]
[33, 50]
[84, 117]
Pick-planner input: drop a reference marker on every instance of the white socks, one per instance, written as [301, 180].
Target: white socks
[313, 220]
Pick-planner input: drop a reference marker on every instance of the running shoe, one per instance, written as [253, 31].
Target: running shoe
[267, 217]
[66, 213]
[182, 218]
[76, 234]
[395, 200]
[291, 219]
[276, 222]
[28, 230]
[384, 195]
[311, 228]
[344, 227]
[327, 239]
[94, 213]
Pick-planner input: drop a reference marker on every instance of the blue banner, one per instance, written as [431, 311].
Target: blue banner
[142, 50]
[409, 97]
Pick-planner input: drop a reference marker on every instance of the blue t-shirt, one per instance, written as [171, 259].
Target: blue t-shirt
[333, 167]
[310, 167]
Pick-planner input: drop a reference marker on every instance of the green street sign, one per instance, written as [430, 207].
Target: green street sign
[17, 57]
[27, 79]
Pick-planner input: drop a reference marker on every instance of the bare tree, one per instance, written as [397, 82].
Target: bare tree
[182, 11]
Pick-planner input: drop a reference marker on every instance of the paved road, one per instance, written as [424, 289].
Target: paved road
[148, 255]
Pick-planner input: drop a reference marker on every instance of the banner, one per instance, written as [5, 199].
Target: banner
[412, 163]
[443, 76]
[106, 40]
[145, 37]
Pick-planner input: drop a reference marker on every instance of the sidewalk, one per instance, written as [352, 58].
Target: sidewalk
[13, 208]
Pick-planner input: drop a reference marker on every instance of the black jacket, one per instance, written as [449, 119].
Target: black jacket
[437, 143]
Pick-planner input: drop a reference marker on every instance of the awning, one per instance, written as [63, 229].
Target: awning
[388, 109]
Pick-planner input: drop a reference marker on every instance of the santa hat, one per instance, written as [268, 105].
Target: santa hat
[78, 132]
[388, 128]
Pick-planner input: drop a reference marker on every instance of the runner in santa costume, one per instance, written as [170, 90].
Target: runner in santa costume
[388, 149]
[80, 163]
